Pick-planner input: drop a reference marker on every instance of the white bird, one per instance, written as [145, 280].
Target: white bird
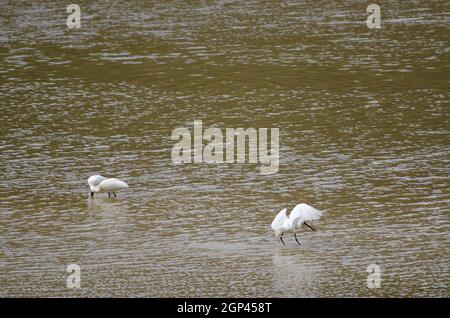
[99, 183]
[292, 223]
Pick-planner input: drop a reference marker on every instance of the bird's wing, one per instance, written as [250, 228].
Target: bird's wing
[95, 180]
[305, 212]
[112, 184]
[279, 220]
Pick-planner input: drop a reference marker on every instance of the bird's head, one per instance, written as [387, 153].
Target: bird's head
[94, 189]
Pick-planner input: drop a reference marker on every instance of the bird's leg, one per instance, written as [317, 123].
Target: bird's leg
[109, 195]
[114, 194]
[281, 238]
[309, 226]
[295, 235]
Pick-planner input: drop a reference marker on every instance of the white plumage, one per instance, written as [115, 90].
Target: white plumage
[292, 223]
[99, 183]
[95, 180]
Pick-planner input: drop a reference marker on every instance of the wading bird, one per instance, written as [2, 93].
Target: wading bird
[292, 223]
[98, 183]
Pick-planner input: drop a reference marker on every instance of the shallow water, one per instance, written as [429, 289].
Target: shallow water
[364, 135]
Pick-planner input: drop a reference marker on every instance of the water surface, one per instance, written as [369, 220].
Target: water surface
[364, 135]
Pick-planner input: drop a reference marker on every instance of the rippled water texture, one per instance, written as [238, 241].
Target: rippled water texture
[364, 135]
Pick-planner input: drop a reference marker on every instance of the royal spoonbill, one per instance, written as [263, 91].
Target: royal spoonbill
[99, 183]
[292, 223]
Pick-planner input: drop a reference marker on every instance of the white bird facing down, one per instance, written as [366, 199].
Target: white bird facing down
[292, 223]
[98, 183]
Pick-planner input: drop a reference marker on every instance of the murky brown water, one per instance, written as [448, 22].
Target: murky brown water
[364, 135]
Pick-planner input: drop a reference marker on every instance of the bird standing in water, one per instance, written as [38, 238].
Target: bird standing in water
[99, 183]
[292, 223]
